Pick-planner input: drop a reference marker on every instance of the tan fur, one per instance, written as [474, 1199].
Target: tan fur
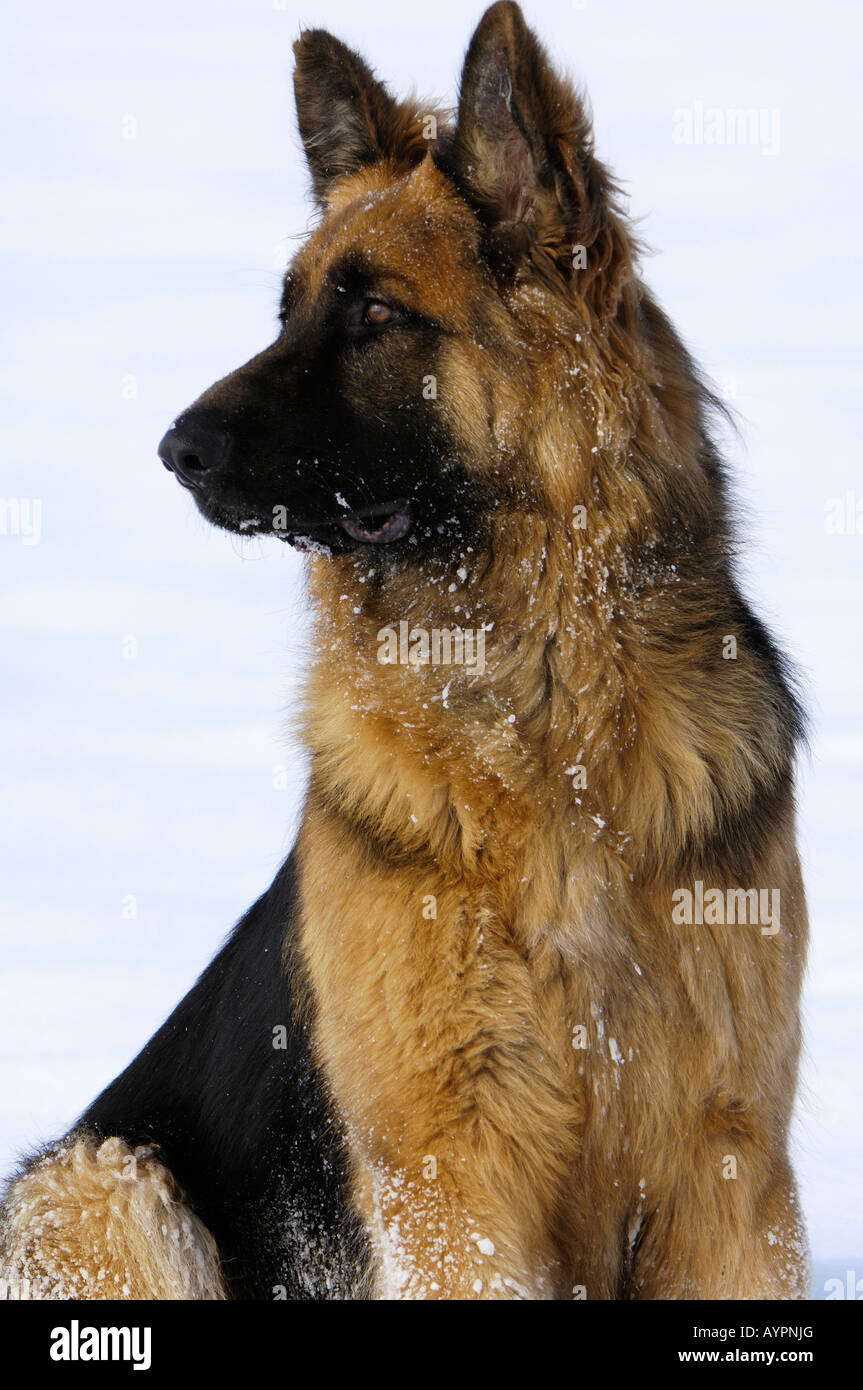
[491, 1157]
[550, 1089]
[452, 1037]
[101, 1221]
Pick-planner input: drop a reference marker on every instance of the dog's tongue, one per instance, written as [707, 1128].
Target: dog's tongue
[391, 528]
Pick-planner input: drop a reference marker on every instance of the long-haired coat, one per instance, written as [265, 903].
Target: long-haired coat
[519, 1017]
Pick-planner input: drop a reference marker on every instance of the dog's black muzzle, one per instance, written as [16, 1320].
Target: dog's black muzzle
[194, 450]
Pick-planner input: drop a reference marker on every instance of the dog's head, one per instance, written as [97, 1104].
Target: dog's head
[429, 303]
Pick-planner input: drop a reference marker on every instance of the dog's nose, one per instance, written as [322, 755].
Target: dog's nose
[192, 448]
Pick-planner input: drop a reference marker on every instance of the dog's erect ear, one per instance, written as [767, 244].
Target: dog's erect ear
[346, 117]
[523, 155]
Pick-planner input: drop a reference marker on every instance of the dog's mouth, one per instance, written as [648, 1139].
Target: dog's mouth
[385, 523]
[381, 525]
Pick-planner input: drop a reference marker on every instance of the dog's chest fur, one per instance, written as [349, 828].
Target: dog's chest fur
[512, 988]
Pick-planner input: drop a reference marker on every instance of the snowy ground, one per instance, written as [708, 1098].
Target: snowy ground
[150, 663]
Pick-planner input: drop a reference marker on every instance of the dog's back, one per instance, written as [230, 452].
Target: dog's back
[224, 1104]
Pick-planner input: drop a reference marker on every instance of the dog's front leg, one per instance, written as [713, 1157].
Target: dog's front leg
[436, 1238]
[440, 1056]
[712, 1238]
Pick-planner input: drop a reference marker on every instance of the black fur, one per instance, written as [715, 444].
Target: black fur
[323, 423]
[245, 1127]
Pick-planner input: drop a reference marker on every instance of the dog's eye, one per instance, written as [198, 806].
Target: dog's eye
[376, 314]
[366, 316]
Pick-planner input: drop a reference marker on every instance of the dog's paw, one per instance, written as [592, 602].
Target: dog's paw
[95, 1219]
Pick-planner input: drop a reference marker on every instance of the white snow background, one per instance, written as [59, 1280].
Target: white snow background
[154, 776]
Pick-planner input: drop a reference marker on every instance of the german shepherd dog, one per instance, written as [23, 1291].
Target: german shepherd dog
[519, 1016]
